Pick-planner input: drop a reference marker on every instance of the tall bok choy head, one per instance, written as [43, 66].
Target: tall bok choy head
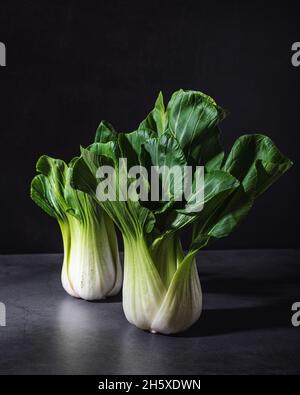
[162, 291]
[91, 268]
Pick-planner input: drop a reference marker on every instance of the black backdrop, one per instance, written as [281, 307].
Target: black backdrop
[71, 64]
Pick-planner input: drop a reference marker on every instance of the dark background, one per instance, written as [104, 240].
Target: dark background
[71, 64]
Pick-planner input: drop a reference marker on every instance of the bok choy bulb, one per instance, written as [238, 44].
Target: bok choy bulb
[161, 292]
[91, 268]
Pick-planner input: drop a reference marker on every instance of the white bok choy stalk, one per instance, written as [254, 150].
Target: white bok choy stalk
[162, 291]
[91, 268]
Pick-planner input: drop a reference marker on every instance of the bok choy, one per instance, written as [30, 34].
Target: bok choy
[162, 291]
[91, 268]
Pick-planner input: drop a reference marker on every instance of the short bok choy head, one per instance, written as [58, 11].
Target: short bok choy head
[162, 290]
[91, 268]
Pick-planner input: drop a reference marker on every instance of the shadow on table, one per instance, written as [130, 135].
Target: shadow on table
[224, 321]
[263, 286]
[274, 310]
[109, 299]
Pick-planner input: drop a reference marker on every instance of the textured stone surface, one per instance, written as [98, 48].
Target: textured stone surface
[245, 326]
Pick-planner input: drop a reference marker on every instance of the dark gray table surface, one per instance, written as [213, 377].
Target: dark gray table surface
[245, 326]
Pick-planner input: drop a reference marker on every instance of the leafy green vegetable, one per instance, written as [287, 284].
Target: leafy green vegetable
[91, 268]
[162, 291]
